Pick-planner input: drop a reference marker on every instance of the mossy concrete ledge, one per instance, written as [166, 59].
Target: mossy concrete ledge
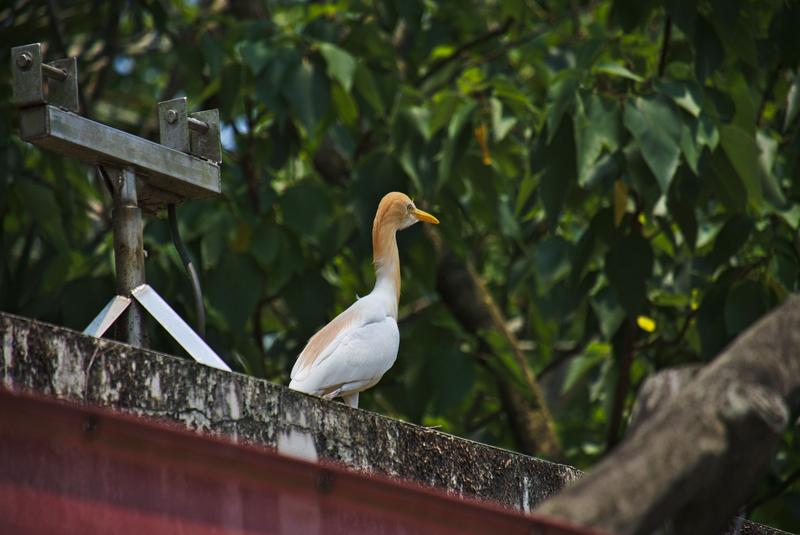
[59, 362]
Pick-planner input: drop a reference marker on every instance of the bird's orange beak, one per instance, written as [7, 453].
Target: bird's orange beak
[424, 216]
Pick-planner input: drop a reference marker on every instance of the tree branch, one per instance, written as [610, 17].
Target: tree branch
[662, 58]
[697, 459]
[625, 361]
[474, 308]
[458, 52]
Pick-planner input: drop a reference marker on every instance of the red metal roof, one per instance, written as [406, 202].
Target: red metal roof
[67, 468]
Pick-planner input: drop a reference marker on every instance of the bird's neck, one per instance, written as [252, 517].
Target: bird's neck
[386, 259]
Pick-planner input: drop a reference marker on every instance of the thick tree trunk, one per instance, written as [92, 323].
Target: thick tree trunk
[473, 307]
[697, 459]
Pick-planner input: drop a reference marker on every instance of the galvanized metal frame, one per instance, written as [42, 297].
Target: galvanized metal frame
[177, 328]
[143, 174]
[166, 175]
[29, 74]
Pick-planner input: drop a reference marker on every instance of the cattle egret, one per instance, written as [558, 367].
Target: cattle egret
[352, 352]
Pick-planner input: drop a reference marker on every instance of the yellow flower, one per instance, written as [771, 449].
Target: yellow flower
[646, 324]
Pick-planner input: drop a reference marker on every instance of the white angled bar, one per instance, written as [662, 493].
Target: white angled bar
[177, 328]
[107, 316]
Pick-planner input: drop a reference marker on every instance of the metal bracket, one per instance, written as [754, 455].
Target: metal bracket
[148, 298]
[194, 133]
[146, 176]
[29, 74]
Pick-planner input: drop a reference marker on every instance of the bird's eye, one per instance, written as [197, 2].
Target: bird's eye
[410, 207]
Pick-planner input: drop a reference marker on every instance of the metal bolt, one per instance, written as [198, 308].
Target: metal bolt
[24, 61]
[197, 125]
[172, 116]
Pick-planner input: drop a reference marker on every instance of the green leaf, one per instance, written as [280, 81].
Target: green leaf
[457, 367]
[689, 146]
[711, 322]
[41, 203]
[213, 52]
[308, 92]
[657, 128]
[306, 208]
[630, 13]
[724, 182]
[736, 33]
[683, 14]
[745, 303]
[265, 243]
[561, 97]
[309, 298]
[740, 147]
[707, 133]
[286, 263]
[367, 88]
[272, 77]
[682, 202]
[696, 134]
[615, 69]
[745, 107]
[442, 112]
[708, 50]
[501, 125]
[557, 162]
[609, 313]
[510, 94]
[792, 103]
[598, 125]
[685, 94]
[234, 288]
[341, 65]
[229, 98]
[256, 54]
[768, 148]
[460, 119]
[731, 237]
[509, 225]
[346, 107]
[552, 260]
[594, 354]
[628, 264]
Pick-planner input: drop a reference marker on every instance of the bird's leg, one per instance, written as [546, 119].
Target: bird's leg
[332, 394]
[351, 400]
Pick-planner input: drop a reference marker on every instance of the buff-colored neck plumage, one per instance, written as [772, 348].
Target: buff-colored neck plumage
[388, 219]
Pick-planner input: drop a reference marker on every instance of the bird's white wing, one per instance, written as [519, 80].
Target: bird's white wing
[321, 343]
[356, 361]
[358, 346]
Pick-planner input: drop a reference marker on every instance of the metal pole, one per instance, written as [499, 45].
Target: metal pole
[128, 250]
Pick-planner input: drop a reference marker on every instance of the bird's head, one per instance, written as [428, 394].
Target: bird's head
[397, 211]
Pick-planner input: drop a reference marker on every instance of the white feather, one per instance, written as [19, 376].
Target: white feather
[360, 353]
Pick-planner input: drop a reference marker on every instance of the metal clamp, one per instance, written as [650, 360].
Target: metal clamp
[193, 133]
[29, 74]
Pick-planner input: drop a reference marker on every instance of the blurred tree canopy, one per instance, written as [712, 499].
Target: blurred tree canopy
[618, 185]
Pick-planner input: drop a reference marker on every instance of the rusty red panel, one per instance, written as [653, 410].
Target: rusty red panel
[68, 468]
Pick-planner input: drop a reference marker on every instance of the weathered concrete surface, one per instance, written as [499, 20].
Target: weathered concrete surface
[68, 365]
[63, 363]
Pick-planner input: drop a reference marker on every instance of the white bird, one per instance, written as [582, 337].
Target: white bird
[352, 352]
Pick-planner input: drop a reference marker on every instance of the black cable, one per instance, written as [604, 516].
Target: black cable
[200, 310]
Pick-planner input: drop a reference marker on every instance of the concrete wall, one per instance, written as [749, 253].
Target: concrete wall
[63, 363]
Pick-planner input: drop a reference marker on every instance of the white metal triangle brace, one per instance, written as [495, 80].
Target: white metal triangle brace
[168, 318]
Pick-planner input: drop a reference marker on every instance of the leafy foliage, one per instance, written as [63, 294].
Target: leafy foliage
[603, 165]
